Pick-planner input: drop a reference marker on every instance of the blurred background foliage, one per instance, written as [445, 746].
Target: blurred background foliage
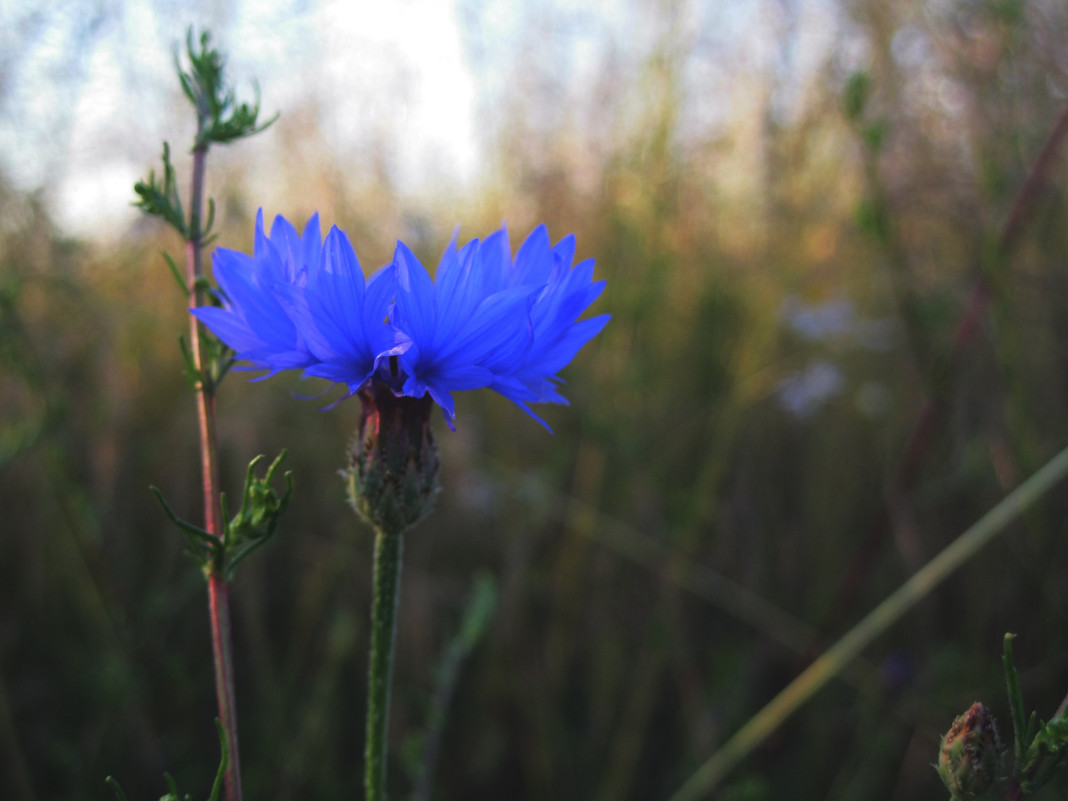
[822, 366]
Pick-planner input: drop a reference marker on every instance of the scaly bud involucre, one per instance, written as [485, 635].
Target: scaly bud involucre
[969, 760]
[393, 471]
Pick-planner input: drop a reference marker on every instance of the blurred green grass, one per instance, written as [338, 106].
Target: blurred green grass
[680, 548]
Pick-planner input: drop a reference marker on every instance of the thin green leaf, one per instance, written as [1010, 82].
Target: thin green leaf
[177, 274]
[1012, 684]
[203, 546]
[161, 199]
[223, 502]
[224, 368]
[182, 524]
[210, 222]
[192, 375]
[172, 787]
[115, 788]
[224, 762]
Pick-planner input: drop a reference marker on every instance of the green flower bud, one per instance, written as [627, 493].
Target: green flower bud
[393, 472]
[969, 760]
[261, 506]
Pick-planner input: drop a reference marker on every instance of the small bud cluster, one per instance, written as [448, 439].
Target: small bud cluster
[246, 531]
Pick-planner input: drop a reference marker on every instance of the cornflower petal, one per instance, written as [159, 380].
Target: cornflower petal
[496, 255]
[534, 261]
[563, 255]
[554, 336]
[298, 254]
[459, 290]
[455, 328]
[497, 320]
[416, 311]
[556, 357]
[253, 320]
[342, 318]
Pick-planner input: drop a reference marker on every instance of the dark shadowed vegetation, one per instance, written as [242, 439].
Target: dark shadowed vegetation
[839, 288]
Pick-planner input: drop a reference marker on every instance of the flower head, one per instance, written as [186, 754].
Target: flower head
[489, 321]
[485, 320]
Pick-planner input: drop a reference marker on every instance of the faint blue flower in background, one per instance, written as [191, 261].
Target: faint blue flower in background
[804, 392]
[817, 322]
[485, 320]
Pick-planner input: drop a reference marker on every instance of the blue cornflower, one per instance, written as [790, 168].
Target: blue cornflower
[485, 321]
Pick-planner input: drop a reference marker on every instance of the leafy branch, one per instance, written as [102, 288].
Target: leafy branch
[220, 118]
[248, 530]
[160, 199]
[1041, 749]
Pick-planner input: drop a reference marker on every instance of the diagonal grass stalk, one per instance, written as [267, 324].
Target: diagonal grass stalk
[836, 658]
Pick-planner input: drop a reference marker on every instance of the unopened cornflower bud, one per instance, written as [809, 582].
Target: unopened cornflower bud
[393, 471]
[969, 760]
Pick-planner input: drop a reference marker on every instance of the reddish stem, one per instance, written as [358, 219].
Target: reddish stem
[218, 594]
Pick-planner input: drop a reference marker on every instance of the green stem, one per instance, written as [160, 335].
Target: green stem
[1012, 685]
[839, 655]
[388, 550]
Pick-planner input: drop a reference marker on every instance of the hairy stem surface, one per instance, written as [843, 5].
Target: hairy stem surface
[388, 550]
